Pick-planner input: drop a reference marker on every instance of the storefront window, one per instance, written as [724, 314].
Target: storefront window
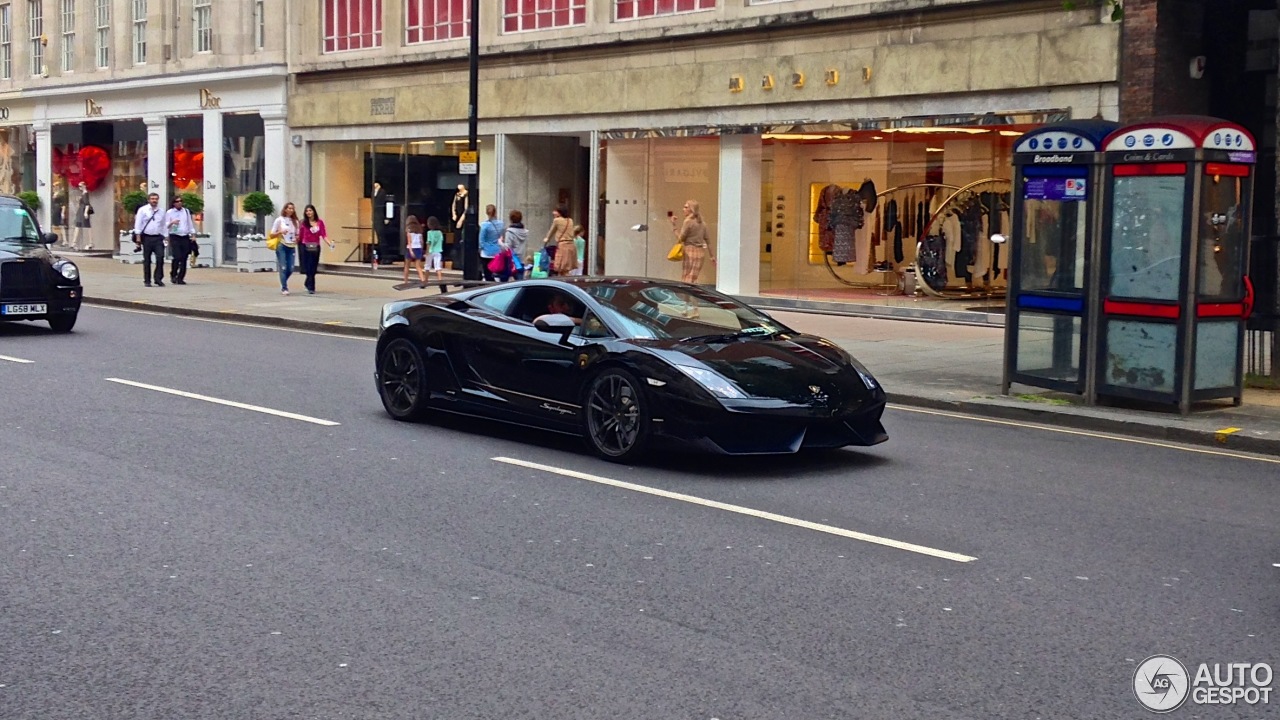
[844, 214]
[17, 158]
[352, 184]
[128, 169]
[244, 172]
[186, 161]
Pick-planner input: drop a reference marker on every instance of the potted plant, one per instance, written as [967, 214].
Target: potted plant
[132, 201]
[260, 204]
[126, 251]
[31, 198]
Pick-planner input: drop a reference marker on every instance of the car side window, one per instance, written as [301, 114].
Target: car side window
[498, 301]
[16, 224]
[591, 327]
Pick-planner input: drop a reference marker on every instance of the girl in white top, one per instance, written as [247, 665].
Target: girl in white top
[286, 226]
[415, 249]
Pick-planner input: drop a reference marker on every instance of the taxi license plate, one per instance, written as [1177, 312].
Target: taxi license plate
[24, 309]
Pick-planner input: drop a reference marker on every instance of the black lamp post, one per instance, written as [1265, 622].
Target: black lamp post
[471, 228]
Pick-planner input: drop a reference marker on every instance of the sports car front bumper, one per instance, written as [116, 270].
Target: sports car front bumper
[742, 430]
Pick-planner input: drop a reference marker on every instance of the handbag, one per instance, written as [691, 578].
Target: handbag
[273, 241]
[677, 252]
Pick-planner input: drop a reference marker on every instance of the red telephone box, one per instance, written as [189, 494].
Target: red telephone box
[1174, 260]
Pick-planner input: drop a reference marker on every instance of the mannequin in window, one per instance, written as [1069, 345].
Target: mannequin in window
[461, 203]
[84, 211]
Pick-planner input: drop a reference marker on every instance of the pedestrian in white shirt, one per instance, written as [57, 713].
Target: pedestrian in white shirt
[148, 236]
[179, 227]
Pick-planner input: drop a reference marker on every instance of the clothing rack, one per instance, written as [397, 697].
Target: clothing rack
[963, 197]
[881, 197]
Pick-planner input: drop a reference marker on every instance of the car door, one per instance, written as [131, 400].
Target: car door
[481, 345]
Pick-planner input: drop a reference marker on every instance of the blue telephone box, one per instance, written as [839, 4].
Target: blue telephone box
[1057, 204]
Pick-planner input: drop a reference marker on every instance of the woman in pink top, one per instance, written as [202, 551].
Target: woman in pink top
[310, 234]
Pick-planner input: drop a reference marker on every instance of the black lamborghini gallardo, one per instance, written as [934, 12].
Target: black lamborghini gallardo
[625, 363]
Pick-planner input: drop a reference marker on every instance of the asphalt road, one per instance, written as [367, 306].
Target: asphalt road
[163, 556]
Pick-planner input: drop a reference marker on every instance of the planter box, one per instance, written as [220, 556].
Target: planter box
[253, 256]
[205, 258]
[127, 252]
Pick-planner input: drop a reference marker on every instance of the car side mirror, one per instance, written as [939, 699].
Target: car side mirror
[556, 324]
[50, 238]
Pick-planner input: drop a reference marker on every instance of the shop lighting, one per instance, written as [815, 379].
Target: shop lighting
[938, 130]
[1012, 133]
[795, 136]
[933, 149]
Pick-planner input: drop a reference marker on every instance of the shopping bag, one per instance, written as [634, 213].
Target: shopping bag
[677, 252]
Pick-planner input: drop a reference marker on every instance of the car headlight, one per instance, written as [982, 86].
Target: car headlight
[69, 271]
[865, 374]
[715, 383]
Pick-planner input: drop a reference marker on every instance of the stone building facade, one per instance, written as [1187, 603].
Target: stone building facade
[622, 110]
[125, 95]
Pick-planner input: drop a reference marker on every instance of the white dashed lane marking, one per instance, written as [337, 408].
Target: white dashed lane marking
[750, 512]
[228, 403]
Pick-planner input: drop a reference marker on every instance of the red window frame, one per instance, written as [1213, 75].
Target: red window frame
[434, 20]
[639, 9]
[351, 25]
[525, 15]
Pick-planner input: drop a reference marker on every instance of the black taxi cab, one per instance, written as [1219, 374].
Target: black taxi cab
[35, 284]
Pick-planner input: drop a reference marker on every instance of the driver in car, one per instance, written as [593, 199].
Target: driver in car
[560, 305]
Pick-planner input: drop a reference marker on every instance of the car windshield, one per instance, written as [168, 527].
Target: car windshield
[17, 227]
[645, 310]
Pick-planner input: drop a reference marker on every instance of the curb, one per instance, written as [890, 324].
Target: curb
[1037, 414]
[267, 320]
[1115, 426]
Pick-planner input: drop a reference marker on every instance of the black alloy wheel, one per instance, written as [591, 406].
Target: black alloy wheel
[402, 380]
[616, 417]
[62, 323]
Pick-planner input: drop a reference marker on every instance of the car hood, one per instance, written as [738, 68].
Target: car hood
[12, 251]
[795, 368]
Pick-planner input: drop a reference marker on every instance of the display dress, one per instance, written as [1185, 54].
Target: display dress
[845, 218]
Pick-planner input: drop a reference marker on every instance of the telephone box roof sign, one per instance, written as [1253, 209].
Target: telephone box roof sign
[1187, 132]
[1072, 136]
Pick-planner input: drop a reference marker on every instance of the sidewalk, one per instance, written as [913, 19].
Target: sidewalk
[933, 365]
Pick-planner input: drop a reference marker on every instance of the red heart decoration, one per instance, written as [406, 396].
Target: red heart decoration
[89, 165]
[188, 169]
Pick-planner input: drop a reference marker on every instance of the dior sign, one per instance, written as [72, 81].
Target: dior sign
[92, 109]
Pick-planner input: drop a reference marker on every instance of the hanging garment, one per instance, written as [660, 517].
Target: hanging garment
[893, 227]
[845, 217]
[932, 261]
[970, 214]
[822, 217]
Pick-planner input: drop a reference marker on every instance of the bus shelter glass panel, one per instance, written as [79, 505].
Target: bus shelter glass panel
[1049, 346]
[1053, 253]
[1141, 355]
[1222, 239]
[1146, 237]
